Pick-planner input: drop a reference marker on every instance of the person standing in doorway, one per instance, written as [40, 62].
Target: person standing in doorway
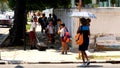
[85, 30]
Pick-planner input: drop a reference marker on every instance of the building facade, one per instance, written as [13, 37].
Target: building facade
[107, 3]
[100, 3]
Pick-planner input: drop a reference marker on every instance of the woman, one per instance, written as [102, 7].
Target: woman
[32, 33]
[84, 29]
[62, 31]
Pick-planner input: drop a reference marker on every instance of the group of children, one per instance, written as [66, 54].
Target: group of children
[50, 28]
[46, 26]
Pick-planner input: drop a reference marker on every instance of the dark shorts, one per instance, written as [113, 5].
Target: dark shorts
[50, 35]
[32, 35]
[84, 46]
[62, 39]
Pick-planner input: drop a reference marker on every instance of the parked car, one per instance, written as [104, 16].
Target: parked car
[4, 20]
[9, 14]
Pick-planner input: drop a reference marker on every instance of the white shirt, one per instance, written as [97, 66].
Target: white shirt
[50, 29]
[33, 25]
[62, 32]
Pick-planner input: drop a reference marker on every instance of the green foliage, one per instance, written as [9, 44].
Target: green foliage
[103, 0]
[87, 1]
[3, 0]
[35, 4]
[11, 3]
[84, 2]
[43, 4]
[76, 2]
[113, 1]
[3, 5]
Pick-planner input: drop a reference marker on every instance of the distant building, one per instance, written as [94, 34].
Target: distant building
[100, 3]
[107, 3]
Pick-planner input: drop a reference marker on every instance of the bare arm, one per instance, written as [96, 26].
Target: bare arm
[78, 31]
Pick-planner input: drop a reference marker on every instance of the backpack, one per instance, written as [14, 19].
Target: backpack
[67, 37]
[79, 38]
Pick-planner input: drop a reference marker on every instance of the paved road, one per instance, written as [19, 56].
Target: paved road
[60, 66]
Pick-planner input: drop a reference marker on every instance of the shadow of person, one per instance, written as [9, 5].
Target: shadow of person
[91, 66]
[19, 66]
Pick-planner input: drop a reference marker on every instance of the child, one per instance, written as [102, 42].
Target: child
[32, 33]
[50, 31]
[62, 31]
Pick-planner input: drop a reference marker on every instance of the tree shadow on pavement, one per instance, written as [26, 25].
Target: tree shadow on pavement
[6, 47]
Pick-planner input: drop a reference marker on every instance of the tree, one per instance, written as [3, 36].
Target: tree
[18, 31]
[43, 4]
[3, 4]
[103, 0]
[84, 2]
[11, 4]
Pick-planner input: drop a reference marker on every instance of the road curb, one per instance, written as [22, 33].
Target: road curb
[8, 62]
[114, 62]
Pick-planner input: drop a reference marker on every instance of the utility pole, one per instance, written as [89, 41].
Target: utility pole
[79, 8]
[109, 3]
[80, 5]
[73, 3]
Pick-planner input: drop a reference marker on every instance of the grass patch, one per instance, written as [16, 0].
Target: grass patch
[28, 27]
[105, 57]
[94, 57]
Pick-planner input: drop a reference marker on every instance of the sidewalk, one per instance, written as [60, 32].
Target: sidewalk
[16, 56]
[52, 56]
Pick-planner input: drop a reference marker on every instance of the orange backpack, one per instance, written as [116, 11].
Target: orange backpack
[67, 37]
[79, 39]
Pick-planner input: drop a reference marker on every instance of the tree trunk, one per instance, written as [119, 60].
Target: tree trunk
[17, 33]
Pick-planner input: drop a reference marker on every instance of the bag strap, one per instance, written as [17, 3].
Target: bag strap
[81, 27]
[65, 31]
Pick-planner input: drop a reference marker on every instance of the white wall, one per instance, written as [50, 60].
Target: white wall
[107, 20]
